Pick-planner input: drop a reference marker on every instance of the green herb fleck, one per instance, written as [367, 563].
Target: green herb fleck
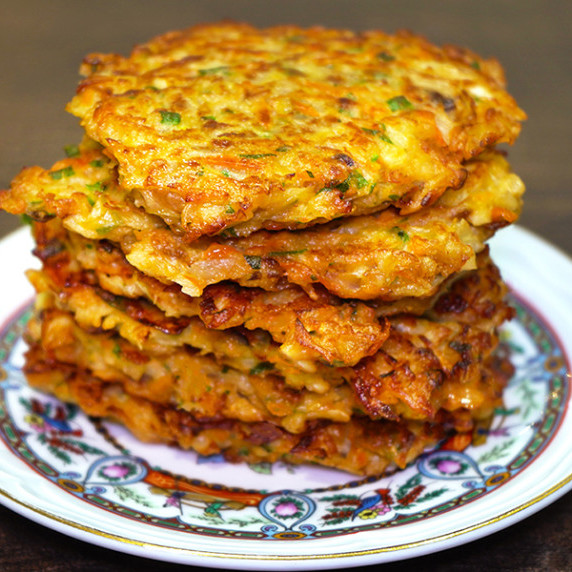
[344, 186]
[476, 65]
[360, 180]
[261, 368]
[381, 134]
[257, 155]
[117, 349]
[310, 174]
[208, 117]
[103, 230]
[283, 149]
[253, 261]
[26, 219]
[287, 252]
[229, 209]
[209, 71]
[62, 173]
[399, 103]
[228, 232]
[71, 150]
[97, 163]
[99, 186]
[402, 234]
[170, 117]
[384, 56]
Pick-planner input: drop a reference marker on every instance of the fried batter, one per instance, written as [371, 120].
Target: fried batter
[342, 332]
[359, 446]
[226, 126]
[422, 365]
[271, 244]
[383, 256]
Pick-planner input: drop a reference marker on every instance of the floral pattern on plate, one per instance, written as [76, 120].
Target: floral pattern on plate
[101, 464]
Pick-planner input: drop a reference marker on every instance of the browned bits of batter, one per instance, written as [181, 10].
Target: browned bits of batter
[272, 244]
[380, 256]
[230, 126]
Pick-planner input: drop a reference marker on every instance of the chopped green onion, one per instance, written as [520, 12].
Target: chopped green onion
[228, 232]
[253, 261]
[384, 56]
[399, 103]
[71, 150]
[401, 233]
[385, 138]
[261, 368]
[99, 186]
[62, 173]
[209, 71]
[257, 155]
[381, 134]
[103, 230]
[360, 180]
[170, 117]
[287, 252]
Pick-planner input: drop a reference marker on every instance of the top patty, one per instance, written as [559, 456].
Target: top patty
[226, 126]
[383, 256]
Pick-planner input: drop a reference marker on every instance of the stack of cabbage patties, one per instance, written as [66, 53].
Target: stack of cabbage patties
[271, 244]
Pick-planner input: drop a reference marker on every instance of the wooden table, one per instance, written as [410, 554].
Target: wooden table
[42, 45]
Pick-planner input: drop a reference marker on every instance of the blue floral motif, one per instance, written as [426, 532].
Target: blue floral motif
[288, 510]
[76, 454]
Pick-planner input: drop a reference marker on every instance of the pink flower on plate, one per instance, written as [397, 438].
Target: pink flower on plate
[116, 471]
[449, 466]
[382, 509]
[286, 508]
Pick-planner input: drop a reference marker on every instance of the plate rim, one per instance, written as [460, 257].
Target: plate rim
[401, 551]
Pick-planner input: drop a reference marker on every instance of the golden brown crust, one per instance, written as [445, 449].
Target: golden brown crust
[425, 362]
[384, 256]
[271, 244]
[360, 446]
[323, 327]
[229, 126]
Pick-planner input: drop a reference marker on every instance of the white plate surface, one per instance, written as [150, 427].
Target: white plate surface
[95, 482]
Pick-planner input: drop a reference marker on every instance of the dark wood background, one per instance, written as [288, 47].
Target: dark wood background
[42, 43]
